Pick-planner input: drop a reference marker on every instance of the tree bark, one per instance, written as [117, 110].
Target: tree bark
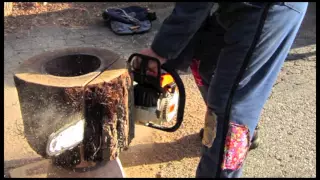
[109, 94]
[8, 8]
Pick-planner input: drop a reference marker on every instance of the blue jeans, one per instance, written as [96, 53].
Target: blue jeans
[253, 41]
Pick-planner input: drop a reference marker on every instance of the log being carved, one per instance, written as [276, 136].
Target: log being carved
[49, 101]
[109, 94]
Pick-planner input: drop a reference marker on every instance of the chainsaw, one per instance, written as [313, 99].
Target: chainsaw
[157, 101]
[157, 98]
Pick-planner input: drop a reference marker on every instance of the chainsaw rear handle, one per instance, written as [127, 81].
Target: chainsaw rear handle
[182, 94]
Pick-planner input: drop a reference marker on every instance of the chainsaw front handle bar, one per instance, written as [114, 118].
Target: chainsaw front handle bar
[182, 94]
[181, 102]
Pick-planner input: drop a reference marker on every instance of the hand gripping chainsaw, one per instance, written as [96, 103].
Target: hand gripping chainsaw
[157, 99]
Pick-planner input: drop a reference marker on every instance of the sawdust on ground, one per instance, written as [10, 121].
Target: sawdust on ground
[155, 153]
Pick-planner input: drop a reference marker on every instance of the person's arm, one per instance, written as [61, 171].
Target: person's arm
[178, 29]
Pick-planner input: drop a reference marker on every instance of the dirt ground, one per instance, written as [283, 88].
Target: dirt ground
[26, 16]
[288, 115]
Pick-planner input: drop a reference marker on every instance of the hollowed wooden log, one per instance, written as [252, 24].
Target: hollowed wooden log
[59, 87]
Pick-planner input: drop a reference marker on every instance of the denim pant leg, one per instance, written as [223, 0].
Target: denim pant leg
[258, 40]
[206, 53]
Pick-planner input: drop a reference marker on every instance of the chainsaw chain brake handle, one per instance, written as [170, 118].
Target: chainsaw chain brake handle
[140, 76]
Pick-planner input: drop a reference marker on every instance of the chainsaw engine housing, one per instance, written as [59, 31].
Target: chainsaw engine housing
[158, 96]
[165, 108]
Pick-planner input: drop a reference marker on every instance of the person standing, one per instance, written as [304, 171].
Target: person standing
[238, 52]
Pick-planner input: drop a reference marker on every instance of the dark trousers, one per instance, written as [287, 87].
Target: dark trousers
[248, 46]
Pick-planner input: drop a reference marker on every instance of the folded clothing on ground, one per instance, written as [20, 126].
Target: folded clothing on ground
[129, 20]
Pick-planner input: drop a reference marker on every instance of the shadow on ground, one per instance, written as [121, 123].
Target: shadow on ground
[300, 56]
[8, 165]
[186, 147]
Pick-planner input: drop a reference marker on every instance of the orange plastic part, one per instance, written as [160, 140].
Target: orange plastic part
[166, 79]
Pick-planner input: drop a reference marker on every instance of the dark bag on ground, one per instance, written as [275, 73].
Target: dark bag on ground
[129, 20]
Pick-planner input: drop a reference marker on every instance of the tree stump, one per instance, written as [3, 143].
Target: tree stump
[8, 6]
[60, 87]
